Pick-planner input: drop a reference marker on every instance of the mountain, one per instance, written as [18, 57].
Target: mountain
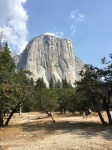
[50, 57]
[79, 66]
[15, 57]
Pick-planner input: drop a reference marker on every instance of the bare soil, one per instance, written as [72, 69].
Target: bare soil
[35, 131]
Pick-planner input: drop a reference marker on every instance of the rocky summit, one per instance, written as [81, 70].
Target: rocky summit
[51, 58]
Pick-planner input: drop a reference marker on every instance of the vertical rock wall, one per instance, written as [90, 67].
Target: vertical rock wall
[49, 57]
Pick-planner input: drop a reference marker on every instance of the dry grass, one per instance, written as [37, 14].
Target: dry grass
[35, 131]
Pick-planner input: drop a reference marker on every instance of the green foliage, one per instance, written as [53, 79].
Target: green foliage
[23, 91]
[48, 99]
[65, 84]
[15, 87]
[58, 84]
[40, 84]
[51, 83]
[24, 86]
[7, 79]
[6, 62]
[45, 99]
[97, 90]
[66, 99]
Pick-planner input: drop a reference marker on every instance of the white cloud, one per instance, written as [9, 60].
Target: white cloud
[13, 20]
[50, 33]
[77, 16]
[57, 34]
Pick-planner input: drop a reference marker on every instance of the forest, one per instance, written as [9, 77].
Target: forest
[18, 91]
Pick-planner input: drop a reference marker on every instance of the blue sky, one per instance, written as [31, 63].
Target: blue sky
[87, 23]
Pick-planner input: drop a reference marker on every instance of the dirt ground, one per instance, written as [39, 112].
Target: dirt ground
[35, 131]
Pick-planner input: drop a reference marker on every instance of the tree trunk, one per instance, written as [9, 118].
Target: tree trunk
[99, 113]
[1, 120]
[20, 111]
[11, 114]
[64, 111]
[109, 117]
[50, 115]
[106, 106]
[61, 109]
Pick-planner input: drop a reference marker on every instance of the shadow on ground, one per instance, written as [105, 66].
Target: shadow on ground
[82, 129]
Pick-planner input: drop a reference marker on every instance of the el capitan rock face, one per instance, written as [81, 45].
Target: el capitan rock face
[79, 66]
[50, 57]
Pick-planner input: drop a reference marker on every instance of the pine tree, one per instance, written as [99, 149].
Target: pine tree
[7, 67]
[51, 83]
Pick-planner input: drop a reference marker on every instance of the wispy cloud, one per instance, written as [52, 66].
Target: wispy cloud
[73, 29]
[77, 16]
[13, 20]
[57, 34]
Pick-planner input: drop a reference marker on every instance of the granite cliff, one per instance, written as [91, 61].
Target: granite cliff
[50, 57]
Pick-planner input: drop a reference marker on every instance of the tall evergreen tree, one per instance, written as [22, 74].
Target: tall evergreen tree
[66, 84]
[23, 91]
[7, 67]
[51, 83]
[58, 84]
[40, 84]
